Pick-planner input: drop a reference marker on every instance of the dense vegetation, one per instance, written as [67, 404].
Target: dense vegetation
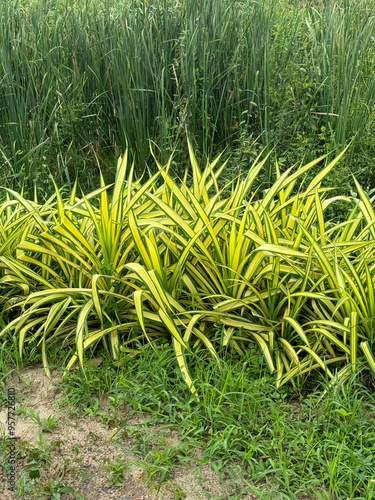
[80, 81]
[209, 271]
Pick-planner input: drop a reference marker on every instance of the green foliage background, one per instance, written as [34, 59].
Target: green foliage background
[80, 81]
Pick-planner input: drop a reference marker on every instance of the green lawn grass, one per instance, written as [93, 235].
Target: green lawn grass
[278, 444]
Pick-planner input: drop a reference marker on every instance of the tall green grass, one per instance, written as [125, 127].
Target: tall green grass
[81, 80]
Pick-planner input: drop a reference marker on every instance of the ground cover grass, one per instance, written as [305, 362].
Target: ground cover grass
[273, 444]
[86, 80]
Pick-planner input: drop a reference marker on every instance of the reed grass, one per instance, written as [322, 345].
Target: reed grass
[81, 80]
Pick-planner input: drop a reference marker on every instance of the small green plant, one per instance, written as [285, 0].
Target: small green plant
[23, 408]
[49, 489]
[159, 462]
[48, 424]
[26, 381]
[36, 456]
[116, 468]
[178, 493]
